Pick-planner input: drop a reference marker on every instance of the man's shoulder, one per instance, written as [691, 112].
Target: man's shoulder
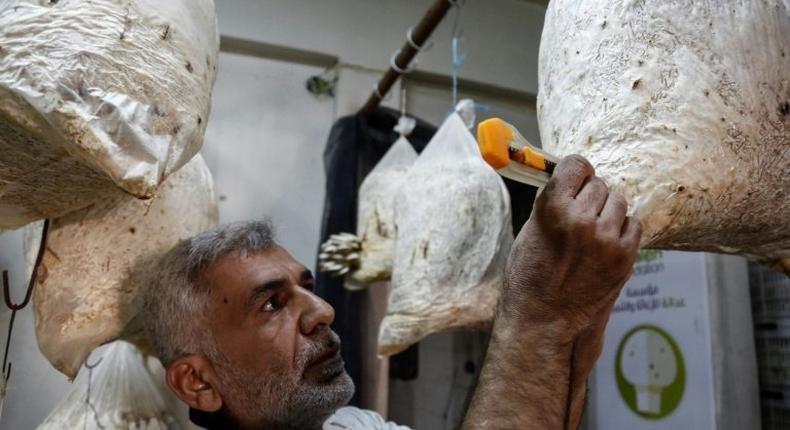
[351, 418]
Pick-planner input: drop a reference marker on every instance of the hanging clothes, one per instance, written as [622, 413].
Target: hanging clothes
[356, 143]
[522, 197]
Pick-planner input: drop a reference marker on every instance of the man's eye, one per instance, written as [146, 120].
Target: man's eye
[271, 305]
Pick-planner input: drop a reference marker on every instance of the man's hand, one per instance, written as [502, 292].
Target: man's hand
[573, 255]
[565, 270]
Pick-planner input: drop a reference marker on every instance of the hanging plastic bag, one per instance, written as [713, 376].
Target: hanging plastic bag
[121, 394]
[376, 213]
[454, 235]
[91, 275]
[367, 257]
[686, 114]
[96, 95]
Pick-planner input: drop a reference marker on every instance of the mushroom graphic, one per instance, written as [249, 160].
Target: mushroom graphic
[649, 363]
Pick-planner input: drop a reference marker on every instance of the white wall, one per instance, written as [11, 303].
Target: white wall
[501, 36]
[264, 148]
[266, 137]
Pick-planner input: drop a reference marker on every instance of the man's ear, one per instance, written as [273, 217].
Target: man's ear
[193, 380]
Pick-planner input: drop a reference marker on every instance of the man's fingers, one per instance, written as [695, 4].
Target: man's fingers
[593, 194]
[632, 233]
[569, 176]
[614, 211]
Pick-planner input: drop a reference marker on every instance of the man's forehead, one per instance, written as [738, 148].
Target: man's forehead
[239, 269]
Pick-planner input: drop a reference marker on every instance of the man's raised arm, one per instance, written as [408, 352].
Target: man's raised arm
[566, 268]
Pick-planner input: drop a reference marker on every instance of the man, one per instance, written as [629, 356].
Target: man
[247, 345]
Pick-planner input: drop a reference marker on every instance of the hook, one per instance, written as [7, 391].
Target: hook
[14, 307]
[402, 99]
[405, 124]
[88, 402]
[419, 48]
[94, 365]
[378, 94]
[401, 71]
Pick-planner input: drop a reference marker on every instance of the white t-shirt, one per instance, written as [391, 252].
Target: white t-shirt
[351, 418]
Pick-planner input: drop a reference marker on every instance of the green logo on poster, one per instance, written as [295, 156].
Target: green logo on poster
[650, 372]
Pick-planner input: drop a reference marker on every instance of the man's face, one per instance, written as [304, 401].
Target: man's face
[277, 360]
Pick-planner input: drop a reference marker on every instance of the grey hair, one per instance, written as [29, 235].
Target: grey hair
[176, 296]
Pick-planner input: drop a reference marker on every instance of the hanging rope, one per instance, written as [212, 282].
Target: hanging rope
[458, 57]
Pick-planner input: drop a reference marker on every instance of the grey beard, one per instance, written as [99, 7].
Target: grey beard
[282, 400]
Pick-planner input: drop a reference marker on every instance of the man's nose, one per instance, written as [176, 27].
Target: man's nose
[315, 313]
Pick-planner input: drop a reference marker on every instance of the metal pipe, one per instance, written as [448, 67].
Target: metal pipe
[420, 34]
